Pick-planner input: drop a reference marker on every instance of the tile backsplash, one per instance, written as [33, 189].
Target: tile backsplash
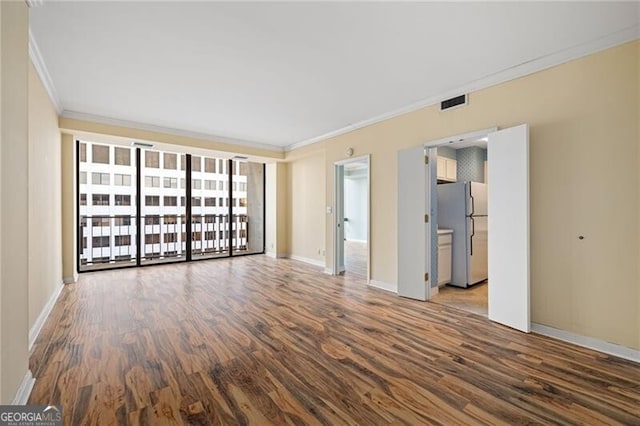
[471, 164]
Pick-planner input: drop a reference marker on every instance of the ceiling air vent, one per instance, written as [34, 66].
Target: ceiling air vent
[453, 102]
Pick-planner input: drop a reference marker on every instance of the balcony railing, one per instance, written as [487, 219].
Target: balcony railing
[108, 241]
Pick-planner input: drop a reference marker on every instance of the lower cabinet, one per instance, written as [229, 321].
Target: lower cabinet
[444, 258]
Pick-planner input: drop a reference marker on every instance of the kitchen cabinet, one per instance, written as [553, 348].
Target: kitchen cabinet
[445, 239]
[447, 169]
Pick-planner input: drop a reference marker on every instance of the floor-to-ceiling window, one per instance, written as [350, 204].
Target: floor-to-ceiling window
[209, 207]
[248, 207]
[163, 210]
[140, 206]
[106, 206]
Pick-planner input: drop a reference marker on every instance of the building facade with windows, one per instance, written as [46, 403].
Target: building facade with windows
[107, 206]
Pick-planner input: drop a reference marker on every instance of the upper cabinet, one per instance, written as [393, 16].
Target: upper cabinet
[446, 169]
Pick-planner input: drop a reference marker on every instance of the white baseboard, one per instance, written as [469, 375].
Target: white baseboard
[588, 342]
[314, 262]
[44, 314]
[328, 271]
[24, 391]
[383, 286]
[276, 255]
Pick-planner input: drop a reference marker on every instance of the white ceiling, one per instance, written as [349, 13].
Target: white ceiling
[284, 73]
[466, 143]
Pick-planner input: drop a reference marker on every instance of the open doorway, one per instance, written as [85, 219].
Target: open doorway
[508, 245]
[352, 217]
[461, 241]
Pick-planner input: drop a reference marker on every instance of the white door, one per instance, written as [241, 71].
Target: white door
[413, 232]
[339, 232]
[508, 208]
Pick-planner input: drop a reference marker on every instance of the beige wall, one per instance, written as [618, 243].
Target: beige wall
[45, 264]
[271, 214]
[282, 207]
[306, 206]
[68, 186]
[73, 126]
[276, 201]
[584, 181]
[14, 310]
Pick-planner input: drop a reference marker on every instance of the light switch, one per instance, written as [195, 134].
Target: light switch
[329, 210]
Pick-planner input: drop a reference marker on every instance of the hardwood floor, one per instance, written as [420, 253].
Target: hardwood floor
[355, 258]
[472, 299]
[255, 340]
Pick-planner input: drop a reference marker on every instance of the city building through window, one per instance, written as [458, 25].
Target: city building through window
[112, 234]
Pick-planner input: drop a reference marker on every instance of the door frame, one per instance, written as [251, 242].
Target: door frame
[459, 138]
[338, 205]
[413, 252]
[432, 261]
[522, 326]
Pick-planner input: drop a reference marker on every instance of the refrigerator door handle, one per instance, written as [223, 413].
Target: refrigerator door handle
[473, 232]
[473, 201]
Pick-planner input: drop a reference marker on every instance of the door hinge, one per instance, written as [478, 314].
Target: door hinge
[426, 276]
[426, 218]
[426, 159]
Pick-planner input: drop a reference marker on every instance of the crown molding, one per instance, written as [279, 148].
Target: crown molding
[74, 115]
[41, 69]
[517, 71]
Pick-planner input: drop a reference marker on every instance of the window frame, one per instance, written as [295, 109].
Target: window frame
[202, 225]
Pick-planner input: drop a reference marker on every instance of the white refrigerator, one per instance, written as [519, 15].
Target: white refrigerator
[462, 206]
